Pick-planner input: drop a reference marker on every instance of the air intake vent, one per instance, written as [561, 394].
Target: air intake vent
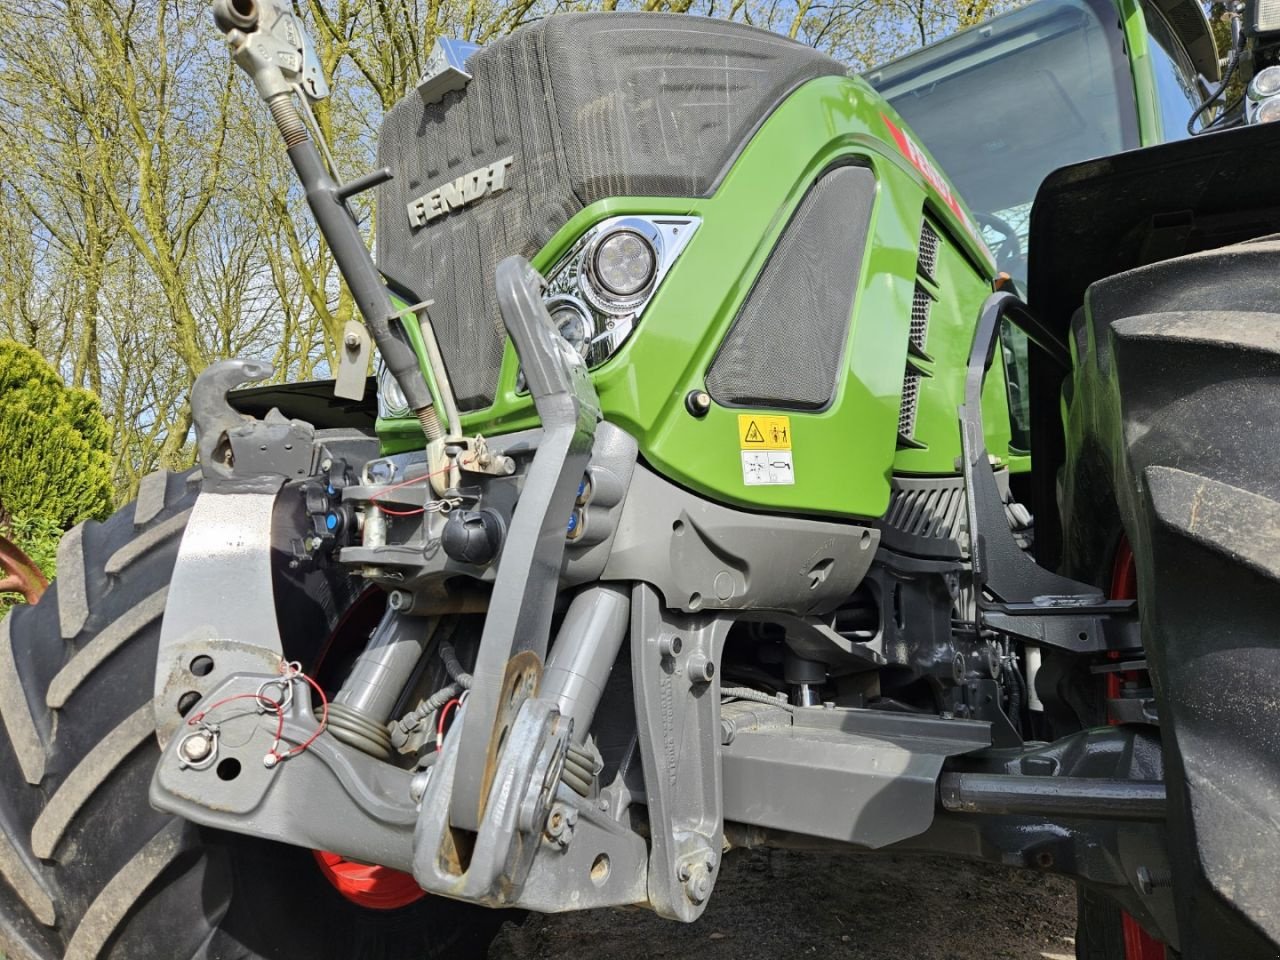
[929, 241]
[786, 346]
[930, 508]
[921, 307]
[910, 399]
[921, 304]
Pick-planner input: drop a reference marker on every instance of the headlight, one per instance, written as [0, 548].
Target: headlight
[392, 404]
[1265, 83]
[1268, 110]
[573, 320]
[599, 290]
[623, 263]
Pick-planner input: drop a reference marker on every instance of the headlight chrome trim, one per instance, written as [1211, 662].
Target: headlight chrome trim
[615, 317]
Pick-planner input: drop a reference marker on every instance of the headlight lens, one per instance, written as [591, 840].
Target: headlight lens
[624, 262]
[599, 290]
[1269, 110]
[572, 318]
[1265, 83]
[392, 404]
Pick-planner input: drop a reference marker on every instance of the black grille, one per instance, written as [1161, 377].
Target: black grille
[589, 106]
[927, 508]
[921, 304]
[786, 344]
[910, 399]
[928, 259]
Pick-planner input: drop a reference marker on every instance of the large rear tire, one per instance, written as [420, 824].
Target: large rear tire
[1173, 439]
[87, 868]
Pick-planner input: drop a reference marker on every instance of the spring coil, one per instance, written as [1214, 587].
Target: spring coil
[288, 119]
[430, 421]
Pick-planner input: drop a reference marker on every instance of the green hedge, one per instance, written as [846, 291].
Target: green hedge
[55, 461]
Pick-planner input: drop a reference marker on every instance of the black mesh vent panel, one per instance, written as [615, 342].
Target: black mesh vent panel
[588, 106]
[910, 400]
[921, 304]
[929, 241]
[786, 346]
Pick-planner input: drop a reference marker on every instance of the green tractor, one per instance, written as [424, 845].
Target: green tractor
[696, 511]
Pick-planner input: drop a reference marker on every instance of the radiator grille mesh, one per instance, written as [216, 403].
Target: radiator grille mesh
[929, 240]
[910, 399]
[786, 345]
[921, 304]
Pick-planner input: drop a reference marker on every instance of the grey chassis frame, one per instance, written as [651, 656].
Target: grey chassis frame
[700, 776]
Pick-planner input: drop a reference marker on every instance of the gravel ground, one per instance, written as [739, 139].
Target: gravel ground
[775, 905]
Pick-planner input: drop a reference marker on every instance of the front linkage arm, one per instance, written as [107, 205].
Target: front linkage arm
[268, 42]
[486, 804]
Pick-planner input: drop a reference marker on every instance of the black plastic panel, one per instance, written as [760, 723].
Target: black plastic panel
[786, 346]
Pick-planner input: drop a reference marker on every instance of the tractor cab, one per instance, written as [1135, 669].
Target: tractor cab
[1002, 104]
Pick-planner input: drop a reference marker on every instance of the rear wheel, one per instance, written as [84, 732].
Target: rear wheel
[89, 869]
[1173, 439]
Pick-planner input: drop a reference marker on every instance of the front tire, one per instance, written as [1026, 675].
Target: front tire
[88, 870]
[1173, 439]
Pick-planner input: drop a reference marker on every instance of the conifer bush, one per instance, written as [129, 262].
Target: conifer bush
[55, 461]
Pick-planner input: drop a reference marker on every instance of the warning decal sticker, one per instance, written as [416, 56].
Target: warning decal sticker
[767, 468]
[756, 432]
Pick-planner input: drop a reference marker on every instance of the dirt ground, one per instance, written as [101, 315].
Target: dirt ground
[775, 905]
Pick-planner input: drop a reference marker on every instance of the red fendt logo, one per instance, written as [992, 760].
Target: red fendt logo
[921, 162]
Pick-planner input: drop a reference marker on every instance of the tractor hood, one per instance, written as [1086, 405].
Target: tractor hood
[560, 114]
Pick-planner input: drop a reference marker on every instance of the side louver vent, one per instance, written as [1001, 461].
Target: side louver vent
[932, 508]
[910, 400]
[929, 241]
[921, 306]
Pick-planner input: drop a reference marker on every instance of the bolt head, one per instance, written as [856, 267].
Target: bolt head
[196, 747]
[352, 341]
[697, 402]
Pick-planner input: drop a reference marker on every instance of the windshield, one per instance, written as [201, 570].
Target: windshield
[1004, 103]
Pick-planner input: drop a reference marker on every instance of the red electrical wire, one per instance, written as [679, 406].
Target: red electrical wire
[444, 713]
[324, 721]
[404, 483]
[278, 708]
[262, 700]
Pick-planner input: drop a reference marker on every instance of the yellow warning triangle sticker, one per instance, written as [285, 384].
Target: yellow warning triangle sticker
[753, 434]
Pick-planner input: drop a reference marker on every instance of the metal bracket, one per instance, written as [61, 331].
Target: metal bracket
[353, 362]
[524, 591]
[677, 696]
[232, 446]
[446, 69]
[327, 797]
[883, 766]
[1015, 594]
[491, 867]
[221, 597]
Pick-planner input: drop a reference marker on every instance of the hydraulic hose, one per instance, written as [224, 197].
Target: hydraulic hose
[1233, 61]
